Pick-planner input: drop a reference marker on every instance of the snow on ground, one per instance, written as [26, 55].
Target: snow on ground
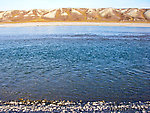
[64, 14]
[147, 14]
[51, 14]
[90, 10]
[133, 13]
[75, 11]
[106, 12]
[1, 14]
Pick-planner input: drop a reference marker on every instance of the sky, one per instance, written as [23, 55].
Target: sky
[47, 4]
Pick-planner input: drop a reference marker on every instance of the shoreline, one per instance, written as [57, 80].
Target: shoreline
[70, 106]
[33, 24]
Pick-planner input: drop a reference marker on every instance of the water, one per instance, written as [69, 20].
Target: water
[86, 63]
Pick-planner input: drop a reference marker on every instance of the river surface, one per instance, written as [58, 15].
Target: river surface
[86, 63]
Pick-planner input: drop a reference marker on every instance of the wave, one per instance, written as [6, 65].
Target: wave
[124, 36]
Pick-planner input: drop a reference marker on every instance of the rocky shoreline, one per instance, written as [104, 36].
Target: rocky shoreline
[32, 24]
[70, 106]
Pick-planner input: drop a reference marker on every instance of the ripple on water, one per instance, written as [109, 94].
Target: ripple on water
[102, 65]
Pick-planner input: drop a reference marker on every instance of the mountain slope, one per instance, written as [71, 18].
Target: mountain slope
[76, 14]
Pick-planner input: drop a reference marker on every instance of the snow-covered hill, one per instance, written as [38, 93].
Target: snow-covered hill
[77, 14]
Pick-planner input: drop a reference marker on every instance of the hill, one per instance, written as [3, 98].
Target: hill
[76, 14]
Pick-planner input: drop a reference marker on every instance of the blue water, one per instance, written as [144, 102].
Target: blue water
[86, 63]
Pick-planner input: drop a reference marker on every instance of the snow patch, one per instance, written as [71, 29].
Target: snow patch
[147, 14]
[41, 12]
[8, 13]
[133, 13]
[64, 14]
[75, 11]
[47, 10]
[30, 13]
[26, 15]
[1, 14]
[123, 10]
[51, 14]
[61, 10]
[38, 14]
[16, 16]
[106, 12]
[90, 10]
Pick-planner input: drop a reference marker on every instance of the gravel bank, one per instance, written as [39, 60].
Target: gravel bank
[73, 24]
[69, 106]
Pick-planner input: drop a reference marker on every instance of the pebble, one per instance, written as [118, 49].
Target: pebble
[70, 106]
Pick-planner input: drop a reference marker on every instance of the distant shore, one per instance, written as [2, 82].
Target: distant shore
[73, 24]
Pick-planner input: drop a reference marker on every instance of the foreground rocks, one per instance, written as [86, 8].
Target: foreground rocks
[70, 106]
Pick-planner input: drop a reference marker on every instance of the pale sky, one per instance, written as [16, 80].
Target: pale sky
[47, 4]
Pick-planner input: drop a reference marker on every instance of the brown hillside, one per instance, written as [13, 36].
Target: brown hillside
[77, 14]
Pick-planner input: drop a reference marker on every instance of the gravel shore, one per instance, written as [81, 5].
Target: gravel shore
[70, 106]
[73, 24]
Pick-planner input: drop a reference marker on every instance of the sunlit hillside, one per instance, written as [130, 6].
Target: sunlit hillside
[77, 14]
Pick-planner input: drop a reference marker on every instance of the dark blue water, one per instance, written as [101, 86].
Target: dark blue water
[75, 62]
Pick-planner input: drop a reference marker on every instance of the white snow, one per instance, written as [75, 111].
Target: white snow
[26, 15]
[89, 18]
[30, 13]
[147, 14]
[64, 14]
[106, 12]
[46, 10]
[133, 13]
[16, 16]
[61, 9]
[1, 14]
[51, 14]
[8, 13]
[123, 10]
[75, 11]
[41, 12]
[90, 10]
[38, 14]
[51, 9]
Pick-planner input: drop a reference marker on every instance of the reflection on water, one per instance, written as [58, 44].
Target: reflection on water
[75, 62]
